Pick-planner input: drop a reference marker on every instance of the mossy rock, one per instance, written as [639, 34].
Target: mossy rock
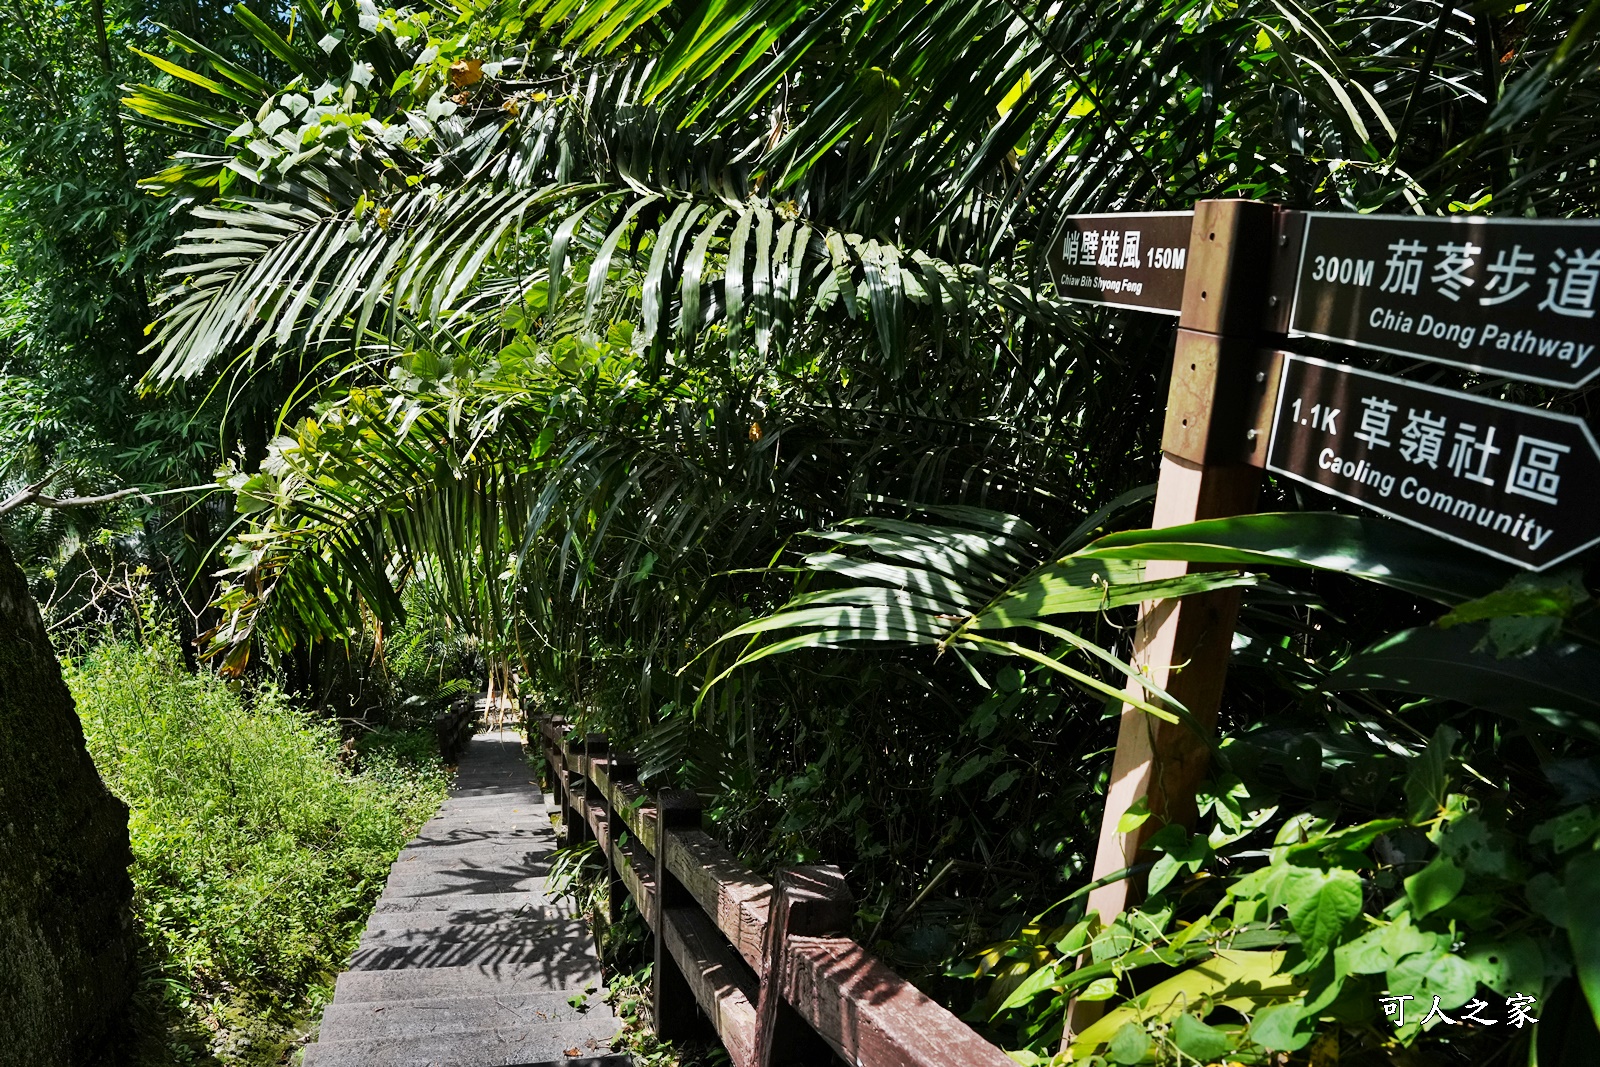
[67, 972]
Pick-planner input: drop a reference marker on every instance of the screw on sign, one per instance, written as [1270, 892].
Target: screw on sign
[1510, 481]
[1511, 297]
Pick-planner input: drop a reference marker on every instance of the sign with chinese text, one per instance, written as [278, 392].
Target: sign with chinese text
[1514, 482]
[1510, 297]
[1126, 261]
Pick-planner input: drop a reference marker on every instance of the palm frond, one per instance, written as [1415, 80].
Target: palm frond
[952, 586]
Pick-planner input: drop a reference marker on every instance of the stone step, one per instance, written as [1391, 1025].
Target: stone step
[451, 1015]
[486, 829]
[478, 904]
[466, 919]
[382, 929]
[509, 863]
[539, 848]
[460, 917]
[458, 824]
[464, 962]
[461, 885]
[560, 947]
[495, 798]
[511, 1046]
[509, 853]
[425, 983]
[512, 789]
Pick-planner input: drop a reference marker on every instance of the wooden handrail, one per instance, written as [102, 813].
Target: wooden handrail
[773, 994]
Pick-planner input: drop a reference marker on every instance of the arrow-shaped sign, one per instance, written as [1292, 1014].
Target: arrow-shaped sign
[1512, 297]
[1125, 261]
[1514, 482]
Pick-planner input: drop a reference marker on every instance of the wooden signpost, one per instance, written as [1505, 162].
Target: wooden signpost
[1515, 299]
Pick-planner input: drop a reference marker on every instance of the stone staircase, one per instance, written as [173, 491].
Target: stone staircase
[465, 962]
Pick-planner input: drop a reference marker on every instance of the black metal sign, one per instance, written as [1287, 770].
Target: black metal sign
[1514, 482]
[1126, 261]
[1512, 297]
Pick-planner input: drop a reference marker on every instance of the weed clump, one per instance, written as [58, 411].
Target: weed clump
[258, 853]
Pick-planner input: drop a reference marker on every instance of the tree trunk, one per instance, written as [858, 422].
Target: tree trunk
[67, 970]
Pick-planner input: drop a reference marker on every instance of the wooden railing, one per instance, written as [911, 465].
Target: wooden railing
[454, 728]
[765, 968]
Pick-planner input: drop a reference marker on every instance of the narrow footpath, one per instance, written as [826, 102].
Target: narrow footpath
[465, 962]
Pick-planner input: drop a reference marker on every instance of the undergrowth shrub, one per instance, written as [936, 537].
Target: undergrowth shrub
[258, 852]
[578, 874]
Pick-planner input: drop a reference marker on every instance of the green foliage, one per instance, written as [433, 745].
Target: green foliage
[80, 247]
[257, 854]
[953, 585]
[1339, 862]
[599, 306]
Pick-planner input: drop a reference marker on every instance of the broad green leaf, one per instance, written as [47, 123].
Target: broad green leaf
[1547, 896]
[1376, 549]
[1282, 1027]
[1515, 965]
[1480, 849]
[1428, 782]
[1099, 989]
[1137, 814]
[1321, 904]
[1582, 885]
[1380, 948]
[1435, 972]
[1568, 830]
[1031, 986]
[184, 73]
[1552, 685]
[1078, 585]
[1129, 1045]
[1179, 851]
[1242, 980]
[275, 43]
[1434, 886]
[1195, 1038]
[1526, 594]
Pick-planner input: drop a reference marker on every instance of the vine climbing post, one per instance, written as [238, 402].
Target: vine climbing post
[1219, 384]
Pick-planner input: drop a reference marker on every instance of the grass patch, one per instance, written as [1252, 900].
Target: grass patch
[257, 854]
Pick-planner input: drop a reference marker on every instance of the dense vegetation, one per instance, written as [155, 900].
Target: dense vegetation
[258, 853]
[700, 362]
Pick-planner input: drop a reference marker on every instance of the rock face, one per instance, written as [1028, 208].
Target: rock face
[67, 967]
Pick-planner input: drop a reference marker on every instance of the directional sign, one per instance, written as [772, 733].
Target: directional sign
[1126, 261]
[1514, 482]
[1511, 297]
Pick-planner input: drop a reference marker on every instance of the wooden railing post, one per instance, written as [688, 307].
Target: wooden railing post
[677, 1013]
[576, 826]
[619, 768]
[1183, 645]
[806, 902]
[551, 725]
[595, 746]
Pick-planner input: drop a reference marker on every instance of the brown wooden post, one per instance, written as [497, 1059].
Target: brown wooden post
[619, 768]
[1183, 645]
[571, 818]
[677, 1013]
[806, 902]
[595, 746]
[547, 773]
